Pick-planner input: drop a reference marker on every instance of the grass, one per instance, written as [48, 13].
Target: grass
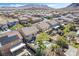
[16, 27]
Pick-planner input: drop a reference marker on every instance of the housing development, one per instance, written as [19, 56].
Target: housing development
[39, 30]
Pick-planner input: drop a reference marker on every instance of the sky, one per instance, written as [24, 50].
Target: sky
[53, 5]
[58, 5]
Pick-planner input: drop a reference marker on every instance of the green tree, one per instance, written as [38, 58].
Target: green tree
[62, 42]
[68, 28]
[39, 52]
[42, 37]
[54, 47]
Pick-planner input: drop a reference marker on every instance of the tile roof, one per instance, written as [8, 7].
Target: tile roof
[29, 30]
[43, 25]
[53, 22]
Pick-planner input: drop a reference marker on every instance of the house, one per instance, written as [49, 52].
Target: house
[24, 19]
[11, 44]
[42, 26]
[76, 22]
[29, 33]
[54, 24]
[76, 14]
[36, 19]
[3, 23]
[12, 21]
[70, 16]
[56, 14]
[72, 51]
[13, 15]
[66, 20]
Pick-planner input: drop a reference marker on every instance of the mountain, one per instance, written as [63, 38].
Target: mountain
[34, 6]
[73, 5]
[25, 6]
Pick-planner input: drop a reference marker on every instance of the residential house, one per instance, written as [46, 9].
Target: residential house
[3, 23]
[54, 24]
[76, 22]
[36, 19]
[42, 26]
[56, 14]
[76, 14]
[13, 15]
[29, 33]
[11, 44]
[24, 19]
[70, 16]
[12, 21]
[66, 20]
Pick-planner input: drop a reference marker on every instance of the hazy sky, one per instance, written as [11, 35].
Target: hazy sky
[58, 5]
[53, 5]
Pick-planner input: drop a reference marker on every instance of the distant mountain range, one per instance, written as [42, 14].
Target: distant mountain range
[73, 5]
[25, 6]
[35, 6]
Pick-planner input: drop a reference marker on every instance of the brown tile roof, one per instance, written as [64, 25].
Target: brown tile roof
[29, 30]
[53, 22]
[36, 19]
[42, 25]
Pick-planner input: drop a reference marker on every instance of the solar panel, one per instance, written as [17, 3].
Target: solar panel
[6, 39]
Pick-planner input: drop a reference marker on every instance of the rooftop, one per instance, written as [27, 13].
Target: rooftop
[29, 30]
